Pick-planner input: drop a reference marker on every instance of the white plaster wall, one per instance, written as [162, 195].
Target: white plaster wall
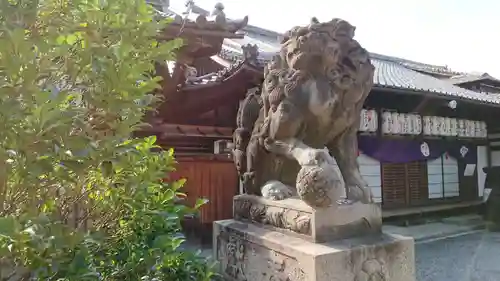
[482, 161]
[370, 170]
[435, 178]
[495, 158]
[450, 177]
[495, 155]
[442, 176]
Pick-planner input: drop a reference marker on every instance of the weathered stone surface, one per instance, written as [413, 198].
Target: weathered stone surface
[312, 95]
[293, 217]
[290, 225]
[247, 252]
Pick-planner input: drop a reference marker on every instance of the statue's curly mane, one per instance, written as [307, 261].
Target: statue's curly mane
[327, 49]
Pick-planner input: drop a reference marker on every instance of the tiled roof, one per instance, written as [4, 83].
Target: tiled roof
[471, 77]
[205, 79]
[390, 72]
[216, 20]
[424, 67]
[394, 75]
[180, 130]
[217, 76]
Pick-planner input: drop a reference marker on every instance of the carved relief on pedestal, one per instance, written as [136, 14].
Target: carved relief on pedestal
[279, 217]
[369, 265]
[237, 254]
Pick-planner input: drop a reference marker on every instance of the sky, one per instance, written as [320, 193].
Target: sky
[456, 33]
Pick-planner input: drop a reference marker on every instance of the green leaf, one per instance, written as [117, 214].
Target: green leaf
[8, 227]
[200, 202]
[151, 140]
[107, 168]
[48, 206]
[61, 39]
[71, 39]
[176, 185]
[162, 241]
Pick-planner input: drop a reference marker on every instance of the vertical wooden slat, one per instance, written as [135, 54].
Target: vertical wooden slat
[404, 184]
[417, 181]
[215, 180]
[393, 185]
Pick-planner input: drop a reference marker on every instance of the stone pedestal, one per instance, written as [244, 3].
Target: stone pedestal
[294, 217]
[289, 241]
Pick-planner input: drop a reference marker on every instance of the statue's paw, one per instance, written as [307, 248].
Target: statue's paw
[321, 156]
[276, 190]
[276, 146]
[367, 195]
[239, 160]
[360, 194]
[248, 182]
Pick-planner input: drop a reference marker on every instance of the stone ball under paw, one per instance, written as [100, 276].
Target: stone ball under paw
[319, 186]
[276, 190]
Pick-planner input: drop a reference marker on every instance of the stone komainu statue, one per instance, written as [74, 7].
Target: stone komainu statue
[311, 98]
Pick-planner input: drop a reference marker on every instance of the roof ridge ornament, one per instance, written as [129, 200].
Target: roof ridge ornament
[189, 7]
[250, 53]
[218, 9]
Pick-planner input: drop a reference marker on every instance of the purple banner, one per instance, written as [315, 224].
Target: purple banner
[403, 150]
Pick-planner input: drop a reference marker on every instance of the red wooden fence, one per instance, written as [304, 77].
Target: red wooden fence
[211, 177]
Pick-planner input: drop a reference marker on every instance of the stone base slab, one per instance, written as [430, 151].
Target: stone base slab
[294, 217]
[248, 252]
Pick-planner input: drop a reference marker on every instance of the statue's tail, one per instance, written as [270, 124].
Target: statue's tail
[248, 113]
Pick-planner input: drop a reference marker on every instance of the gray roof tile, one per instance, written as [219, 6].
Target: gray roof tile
[424, 67]
[471, 77]
[394, 75]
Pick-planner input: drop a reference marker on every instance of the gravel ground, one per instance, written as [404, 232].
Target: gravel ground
[474, 257]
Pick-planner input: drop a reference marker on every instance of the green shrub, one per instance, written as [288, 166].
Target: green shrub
[79, 198]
